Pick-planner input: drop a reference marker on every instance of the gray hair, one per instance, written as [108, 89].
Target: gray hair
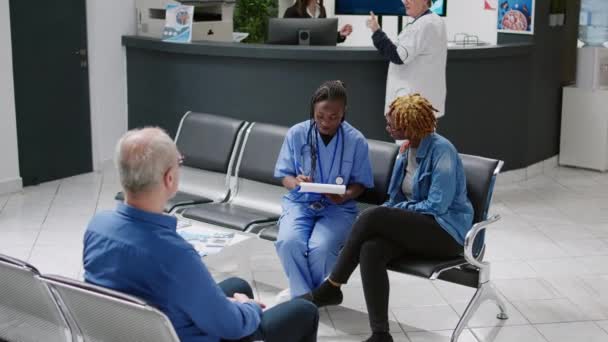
[143, 156]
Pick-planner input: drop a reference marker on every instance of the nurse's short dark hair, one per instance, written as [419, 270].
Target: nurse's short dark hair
[328, 91]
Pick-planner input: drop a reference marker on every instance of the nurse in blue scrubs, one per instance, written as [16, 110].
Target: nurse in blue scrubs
[313, 227]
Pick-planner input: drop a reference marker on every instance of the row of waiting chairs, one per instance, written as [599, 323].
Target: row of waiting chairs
[227, 178]
[254, 196]
[36, 307]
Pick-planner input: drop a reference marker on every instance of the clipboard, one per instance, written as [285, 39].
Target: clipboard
[320, 188]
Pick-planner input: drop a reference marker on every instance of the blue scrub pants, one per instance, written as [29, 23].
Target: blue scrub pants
[309, 242]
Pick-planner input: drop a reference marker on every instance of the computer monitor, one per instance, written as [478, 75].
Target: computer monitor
[303, 31]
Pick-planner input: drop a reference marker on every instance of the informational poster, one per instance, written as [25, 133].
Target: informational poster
[516, 16]
[178, 23]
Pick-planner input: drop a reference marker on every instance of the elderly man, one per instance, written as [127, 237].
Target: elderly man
[135, 249]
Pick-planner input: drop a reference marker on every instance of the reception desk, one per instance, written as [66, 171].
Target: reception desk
[487, 108]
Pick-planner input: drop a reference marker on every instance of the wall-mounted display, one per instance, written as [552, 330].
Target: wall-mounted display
[382, 7]
[516, 16]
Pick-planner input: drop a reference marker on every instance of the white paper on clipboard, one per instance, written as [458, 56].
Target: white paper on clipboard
[323, 188]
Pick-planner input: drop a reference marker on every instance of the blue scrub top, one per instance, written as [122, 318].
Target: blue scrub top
[356, 166]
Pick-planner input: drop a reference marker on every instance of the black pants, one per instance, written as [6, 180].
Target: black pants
[380, 235]
[293, 321]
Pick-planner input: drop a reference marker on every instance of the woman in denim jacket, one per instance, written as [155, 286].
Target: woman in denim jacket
[427, 215]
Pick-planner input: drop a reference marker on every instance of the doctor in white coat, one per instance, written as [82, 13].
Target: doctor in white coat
[418, 57]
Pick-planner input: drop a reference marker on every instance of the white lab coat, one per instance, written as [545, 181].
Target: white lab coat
[423, 48]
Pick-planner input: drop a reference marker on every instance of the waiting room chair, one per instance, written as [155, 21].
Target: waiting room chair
[256, 196]
[104, 315]
[469, 269]
[209, 144]
[28, 309]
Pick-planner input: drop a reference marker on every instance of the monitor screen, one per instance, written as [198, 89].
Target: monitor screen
[383, 7]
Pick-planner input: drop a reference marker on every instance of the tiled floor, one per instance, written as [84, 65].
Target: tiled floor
[549, 258]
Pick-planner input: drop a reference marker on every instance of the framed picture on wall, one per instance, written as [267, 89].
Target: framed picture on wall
[516, 16]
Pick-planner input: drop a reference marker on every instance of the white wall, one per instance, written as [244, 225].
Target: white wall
[464, 16]
[10, 180]
[107, 22]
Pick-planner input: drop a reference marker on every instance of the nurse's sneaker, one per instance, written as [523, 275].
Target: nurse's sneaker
[283, 296]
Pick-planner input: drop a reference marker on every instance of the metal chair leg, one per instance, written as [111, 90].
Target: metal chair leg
[485, 292]
[493, 296]
[468, 313]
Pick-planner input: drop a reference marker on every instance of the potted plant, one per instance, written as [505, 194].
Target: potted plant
[251, 16]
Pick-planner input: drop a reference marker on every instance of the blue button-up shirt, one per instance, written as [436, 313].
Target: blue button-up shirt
[140, 253]
[439, 187]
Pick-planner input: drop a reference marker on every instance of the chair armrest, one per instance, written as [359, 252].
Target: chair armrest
[470, 239]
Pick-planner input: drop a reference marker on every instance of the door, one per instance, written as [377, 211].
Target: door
[49, 41]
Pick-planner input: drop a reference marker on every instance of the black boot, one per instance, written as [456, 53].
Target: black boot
[380, 337]
[325, 294]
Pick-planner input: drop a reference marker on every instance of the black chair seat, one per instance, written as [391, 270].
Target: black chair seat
[270, 233]
[423, 267]
[179, 200]
[228, 215]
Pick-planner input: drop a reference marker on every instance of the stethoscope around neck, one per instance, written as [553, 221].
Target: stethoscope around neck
[314, 148]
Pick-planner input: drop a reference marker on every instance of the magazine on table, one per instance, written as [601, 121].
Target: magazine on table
[206, 240]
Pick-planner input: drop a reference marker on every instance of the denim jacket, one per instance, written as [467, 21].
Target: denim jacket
[439, 186]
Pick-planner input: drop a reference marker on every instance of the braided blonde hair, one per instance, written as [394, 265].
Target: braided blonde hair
[416, 113]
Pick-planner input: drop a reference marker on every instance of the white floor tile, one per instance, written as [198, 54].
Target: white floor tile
[441, 317]
[454, 293]
[59, 259]
[397, 337]
[578, 331]
[21, 253]
[353, 322]
[524, 289]
[587, 247]
[595, 308]
[603, 325]
[572, 287]
[440, 336]
[550, 311]
[599, 284]
[594, 264]
[522, 333]
[562, 232]
[559, 267]
[512, 270]
[415, 294]
[18, 238]
[274, 278]
[485, 316]
[326, 326]
[548, 260]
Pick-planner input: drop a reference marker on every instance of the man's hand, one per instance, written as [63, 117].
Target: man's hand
[372, 22]
[346, 30]
[242, 298]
